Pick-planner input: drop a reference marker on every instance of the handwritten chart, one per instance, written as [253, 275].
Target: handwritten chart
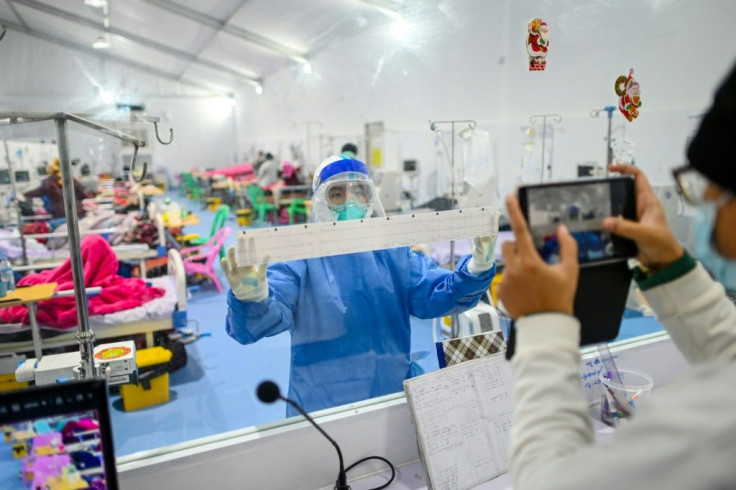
[591, 370]
[462, 416]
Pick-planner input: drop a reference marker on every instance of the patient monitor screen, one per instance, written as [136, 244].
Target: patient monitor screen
[57, 437]
[22, 176]
[63, 451]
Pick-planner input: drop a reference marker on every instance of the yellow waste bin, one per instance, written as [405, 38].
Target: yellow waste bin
[153, 380]
[494, 287]
[244, 216]
[8, 383]
[213, 203]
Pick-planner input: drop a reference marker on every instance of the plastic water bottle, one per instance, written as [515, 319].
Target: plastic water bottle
[6, 275]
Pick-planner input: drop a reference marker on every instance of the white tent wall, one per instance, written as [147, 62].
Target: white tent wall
[372, 77]
[39, 75]
[468, 61]
[204, 133]
[679, 50]
[460, 60]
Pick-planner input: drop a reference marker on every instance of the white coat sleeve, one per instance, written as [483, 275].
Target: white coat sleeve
[550, 413]
[677, 439]
[682, 437]
[698, 316]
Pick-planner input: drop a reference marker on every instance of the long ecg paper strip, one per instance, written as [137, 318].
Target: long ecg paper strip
[342, 237]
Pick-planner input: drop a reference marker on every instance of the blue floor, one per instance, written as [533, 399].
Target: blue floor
[215, 392]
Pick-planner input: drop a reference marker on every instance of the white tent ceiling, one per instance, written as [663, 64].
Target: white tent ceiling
[223, 44]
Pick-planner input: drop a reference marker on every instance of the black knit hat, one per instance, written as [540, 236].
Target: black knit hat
[349, 147]
[712, 151]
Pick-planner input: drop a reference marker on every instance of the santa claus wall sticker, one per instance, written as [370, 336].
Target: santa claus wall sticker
[537, 42]
[629, 92]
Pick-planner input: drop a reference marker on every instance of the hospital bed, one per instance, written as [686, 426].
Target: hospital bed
[140, 253]
[160, 314]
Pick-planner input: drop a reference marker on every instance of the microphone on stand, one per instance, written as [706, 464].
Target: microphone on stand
[269, 392]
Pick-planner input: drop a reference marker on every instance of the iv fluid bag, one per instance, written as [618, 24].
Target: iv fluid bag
[479, 169]
[443, 173]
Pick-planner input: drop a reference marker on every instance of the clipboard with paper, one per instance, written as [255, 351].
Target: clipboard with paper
[462, 417]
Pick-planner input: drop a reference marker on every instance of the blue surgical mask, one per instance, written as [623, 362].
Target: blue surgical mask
[723, 269]
[351, 210]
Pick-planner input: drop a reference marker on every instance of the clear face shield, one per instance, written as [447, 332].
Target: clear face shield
[346, 196]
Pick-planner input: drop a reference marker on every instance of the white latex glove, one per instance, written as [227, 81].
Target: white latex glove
[484, 254]
[249, 283]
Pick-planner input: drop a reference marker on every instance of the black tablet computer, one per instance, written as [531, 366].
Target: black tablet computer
[581, 205]
[605, 275]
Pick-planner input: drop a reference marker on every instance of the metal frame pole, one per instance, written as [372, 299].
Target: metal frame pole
[454, 323]
[454, 319]
[452, 195]
[609, 150]
[544, 143]
[609, 155]
[532, 119]
[11, 172]
[85, 336]
[308, 148]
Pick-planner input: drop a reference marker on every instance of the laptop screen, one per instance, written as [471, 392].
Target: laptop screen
[57, 436]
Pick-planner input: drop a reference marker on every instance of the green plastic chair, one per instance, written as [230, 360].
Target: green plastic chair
[183, 188]
[194, 190]
[296, 207]
[217, 224]
[258, 201]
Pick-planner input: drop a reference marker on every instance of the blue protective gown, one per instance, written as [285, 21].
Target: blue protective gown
[348, 316]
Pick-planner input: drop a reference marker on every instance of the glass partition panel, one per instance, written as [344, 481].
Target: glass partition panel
[447, 103]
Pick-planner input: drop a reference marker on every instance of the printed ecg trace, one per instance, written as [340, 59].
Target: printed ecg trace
[325, 239]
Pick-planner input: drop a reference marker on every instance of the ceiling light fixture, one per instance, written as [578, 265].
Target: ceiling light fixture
[307, 68]
[101, 43]
[400, 29]
[106, 97]
[98, 4]
[384, 7]
[259, 89]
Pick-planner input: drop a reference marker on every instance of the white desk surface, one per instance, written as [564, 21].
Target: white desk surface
[412, 476]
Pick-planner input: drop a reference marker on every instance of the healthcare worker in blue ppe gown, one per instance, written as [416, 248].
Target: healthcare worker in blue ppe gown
[348, 315]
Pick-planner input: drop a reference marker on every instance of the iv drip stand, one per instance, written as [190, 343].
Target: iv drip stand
[532, 120]
[15, 200]
[433, 127]
[85, 335]
[308, 148]
[609, 150]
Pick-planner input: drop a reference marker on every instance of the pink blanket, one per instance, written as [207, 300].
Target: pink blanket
[233, 171]
[100, 269]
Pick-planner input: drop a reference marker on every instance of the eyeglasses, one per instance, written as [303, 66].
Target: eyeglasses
[692, 184]
[339, 192]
